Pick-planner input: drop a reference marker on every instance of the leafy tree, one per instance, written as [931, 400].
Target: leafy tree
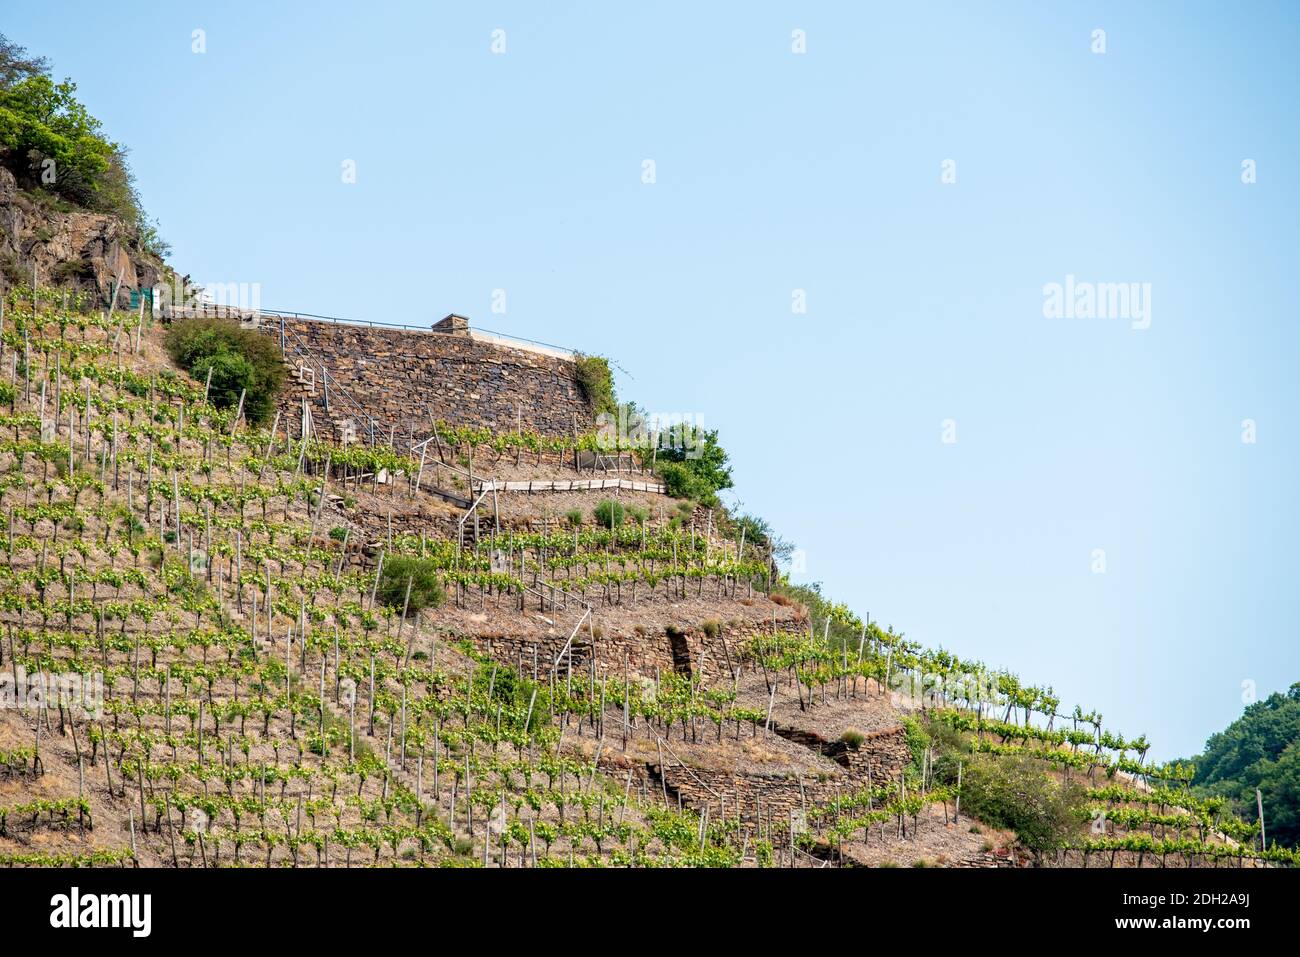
[698, 472]
[51, 142]
[41, 120]
[758, 531]
[1261, 749]
[16, 65]
[1020, 795]
[241, 360]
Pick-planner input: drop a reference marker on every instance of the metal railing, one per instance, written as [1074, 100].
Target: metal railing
[341, 320]
[217, 309]
[303, 352]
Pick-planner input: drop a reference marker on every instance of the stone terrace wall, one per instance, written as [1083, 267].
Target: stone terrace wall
[883, 754]
[642, 655]
[403, 378]
[766, 798]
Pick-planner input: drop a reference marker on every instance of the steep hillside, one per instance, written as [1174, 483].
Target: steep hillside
[1259, 751]
[70, 214]
[313, 653]
[78, 250]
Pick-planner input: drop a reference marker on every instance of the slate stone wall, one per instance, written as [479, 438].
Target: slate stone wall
[406, 378]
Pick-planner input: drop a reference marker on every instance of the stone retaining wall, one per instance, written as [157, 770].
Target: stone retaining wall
[643, 656]
[406, 378]
[882, 754]
[770, 799]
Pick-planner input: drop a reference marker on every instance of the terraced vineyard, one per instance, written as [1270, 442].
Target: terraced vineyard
[213, 663]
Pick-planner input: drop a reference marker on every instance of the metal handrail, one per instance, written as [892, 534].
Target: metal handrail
[302, 350]
[294, 314]
[403, 325]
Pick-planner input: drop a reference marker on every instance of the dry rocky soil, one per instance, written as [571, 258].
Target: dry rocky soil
[315, 778]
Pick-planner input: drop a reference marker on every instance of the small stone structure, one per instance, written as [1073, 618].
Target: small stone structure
[452, 325]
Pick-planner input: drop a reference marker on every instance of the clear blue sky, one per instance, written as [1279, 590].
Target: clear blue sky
[778, 171]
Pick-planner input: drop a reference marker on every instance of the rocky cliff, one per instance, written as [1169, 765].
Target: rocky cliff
[91, 252]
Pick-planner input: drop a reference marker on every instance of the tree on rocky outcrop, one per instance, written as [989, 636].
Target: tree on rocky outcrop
[16, 65]
[53, 145]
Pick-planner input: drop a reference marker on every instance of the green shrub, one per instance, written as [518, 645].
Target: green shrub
[574, 517]
[1021, 795]
[596, 383]
[241, 360]
[711, 628]
[426, 588]
[852, 739]
[514, 692]
[72, 270]
[231, 374]
[698, 473]
[917, 742]
[609, 514]
[639, 514]
[949, 748]
[338, 533]
[681, 482]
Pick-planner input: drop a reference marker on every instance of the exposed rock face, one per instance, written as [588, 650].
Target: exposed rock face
[86, 251]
